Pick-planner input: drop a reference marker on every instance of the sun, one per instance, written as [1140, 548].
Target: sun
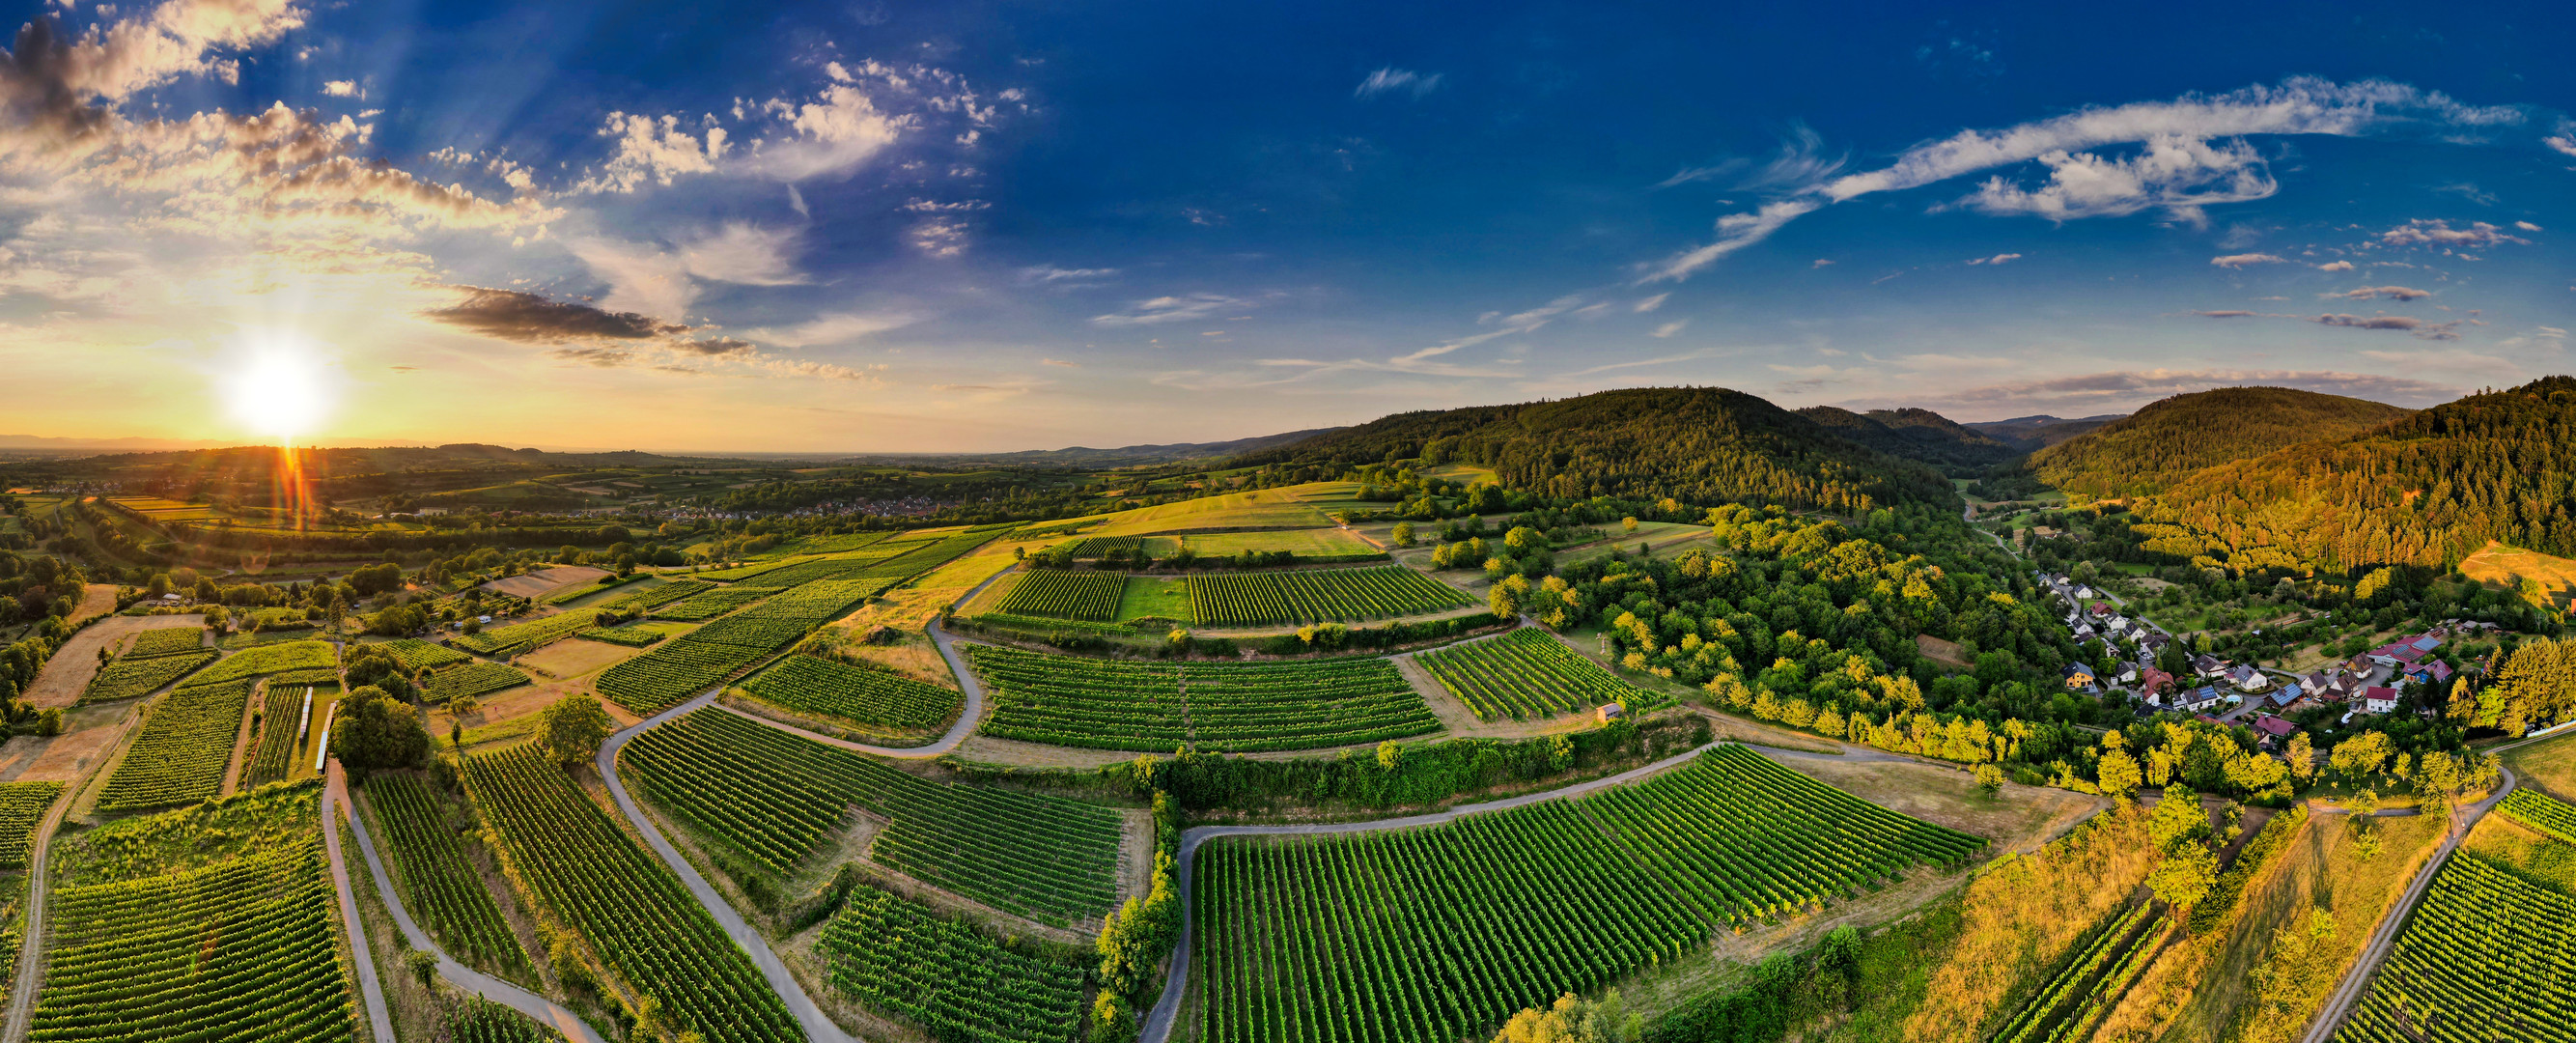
[279, 387]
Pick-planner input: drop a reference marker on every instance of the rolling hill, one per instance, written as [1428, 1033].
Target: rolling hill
[1698, 445]
[2429, 488]
[2038, 431]
[1917, 434]
[2170, 439]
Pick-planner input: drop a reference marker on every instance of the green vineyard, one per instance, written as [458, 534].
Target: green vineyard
[775, 798]
[641, 921]
[691, 663]
[415, 654]
[22, 809]
[1435, 934]
[2543, 813]
[2485, 956]
[1058, 594]
[2088, 979]
[183, 749]
[236, 947]
[1317, 596]
[1527, 674]
[439, 885]
[273, 755]
[1125, 705]
[631, 637]
[950, 978]
[166, 641]
[271, 659]
[470, 679]
[509, 639]
[874, 699]
[713, 602]
[132, 675]
[478, 1020]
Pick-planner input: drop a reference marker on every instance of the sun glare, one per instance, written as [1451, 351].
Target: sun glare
[279, 389]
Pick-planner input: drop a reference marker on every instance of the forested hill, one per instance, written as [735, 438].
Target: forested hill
[2031, 434]
[2429, 489]
[2170, 439]
[1917, 434]
[1697, 445]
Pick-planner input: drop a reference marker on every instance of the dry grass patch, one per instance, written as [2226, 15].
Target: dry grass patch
[2507, 567]
[568, 659]
[545, 581]
[2548, 765]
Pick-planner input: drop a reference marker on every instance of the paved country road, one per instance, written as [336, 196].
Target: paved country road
[463, 977]
[369, 987]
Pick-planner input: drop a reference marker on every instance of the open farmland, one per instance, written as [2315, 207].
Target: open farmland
[1317, 596]
[1322, 938]
[870, 698]
[636, 915]
[183, 749]
[161, 641]
[131, 675]
[415, 654]
[774, 798]
[1326, 544]
[22, 807]
[271, 659]
[897, 956]
[1527, 674]
[2486, 955]
[1121, 705]
[273, 753]
[710, 602]
[1059, 594]
[470, 679]
[438, 885]
[693, 662]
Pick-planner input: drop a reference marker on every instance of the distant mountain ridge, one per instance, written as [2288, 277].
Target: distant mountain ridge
[2171, 438]
[1954, 449]
[1694, 444]
[2038, 431]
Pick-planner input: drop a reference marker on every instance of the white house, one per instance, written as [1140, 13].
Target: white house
[2378, 699]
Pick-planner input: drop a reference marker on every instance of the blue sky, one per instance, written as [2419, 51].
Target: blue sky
[880, 226]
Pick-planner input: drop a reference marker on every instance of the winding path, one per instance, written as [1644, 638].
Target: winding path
[373, 990]
[463, 977]
[31, 948]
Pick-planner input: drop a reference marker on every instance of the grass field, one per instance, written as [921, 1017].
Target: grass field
[2508, 566]
[1304, 543]
[2549, 764]
[1292, 507]
[1156, 599]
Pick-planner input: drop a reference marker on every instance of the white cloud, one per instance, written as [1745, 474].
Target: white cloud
[2239, 261]
[1651, 303]
[650, 150]
[2565, 143]
[1050, 275]
[940, 237]
[640, 279]
[832, 328]
[1183, 308]
[747, 254]
[2394, 293]
[2526, 226]
[117, 60]
[2178, 169]
[1390, 79]
[2335, 266]
[340, 88]
[1670, 328]
[1996, 259]
[2421, 232]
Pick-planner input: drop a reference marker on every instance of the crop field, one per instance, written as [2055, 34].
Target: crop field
[22, 809]
[274, 757]
[1121, 705]
[1097, 546]
[1059, 594]
[1343, 937]
[1307, 544]
[478, 1020]
[639, 919]
[1527, 674]
[2092, 975]
[237, 947]
[839, 544]
[182, 750]
[129, 676]
[161, 641]
[271, 659]
[509, 639]
[950, 978]
[1317, 596]
[702, 658]
[631, 637]
[470, 679]
[438, 885]
[810, 571]
[875, 698]
[710, 603]
[775, 797]
[2553, 817]
[414, 654]
[2485, 956]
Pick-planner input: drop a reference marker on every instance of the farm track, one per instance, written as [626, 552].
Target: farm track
[457, 974]
[31, 947]
[380, 1018]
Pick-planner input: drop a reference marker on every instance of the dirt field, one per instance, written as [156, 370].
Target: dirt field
[2020, 818]
[546, 581]
[574, 658]
[2507, 567]
[68, 672]
[97, 599]
[87, 736]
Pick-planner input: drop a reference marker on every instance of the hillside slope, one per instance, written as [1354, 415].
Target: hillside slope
[2033, 433]
[2174, 437]
[1697, 445]
[1917, 434]
[2429, 489]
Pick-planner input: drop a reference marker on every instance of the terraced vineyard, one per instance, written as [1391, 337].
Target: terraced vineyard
[234, 944]
[274, 756]
[1527, 674]
[271, 659]
[161, 641]
[22, 809]
[869, 698]
[509, 639]
[946, 976]
[1058, 594]
[415, 654]
[631, 637]
[2485, 956]
[698, 660]
[775, 798]
[183, 749]
[1317, 596]
[1436, 934]
[471, 679]
[438, 884]
[1127, 705]
[131, 676]
[2538, 811]
[1097, 546]
[2095, 971]
[478, 1020]
[710, 603]
[641, 921]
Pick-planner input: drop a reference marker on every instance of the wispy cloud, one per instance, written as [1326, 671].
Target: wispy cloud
[1650, 303]
[2239, 261]
[1183, 308]
[1669, 328]
[1391, 79]
[1802, 160]
[2119, 391]
[2393, 293]
[2335, 266]
[2421, 232]
[1996, 259]
[1067, 278]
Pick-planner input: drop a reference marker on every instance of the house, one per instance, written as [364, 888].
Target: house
[2101, 609]
[2129, 675]
[2405, 653]
[2080, 677]
[2248, 679]
[2378, 699]
[2087, 594]
[1611, 711]
[2273, 730]
[2287, 694]
[2207, 665]
[2435, 672]
[2084, 632]
[2198, 699]
[2153, 682]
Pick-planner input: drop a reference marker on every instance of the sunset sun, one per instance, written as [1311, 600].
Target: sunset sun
[280, 389]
